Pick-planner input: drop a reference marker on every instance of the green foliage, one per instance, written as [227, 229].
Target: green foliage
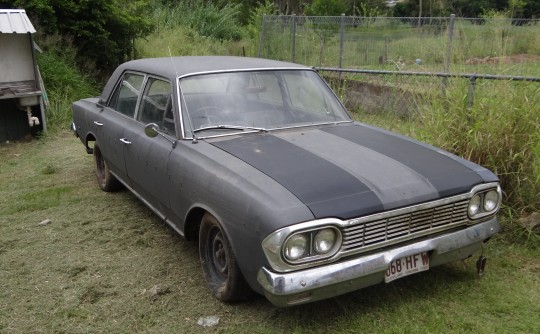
[204, 17]
[256, 15]
[102, 30]
[500, 130]
[498, 133]
[63, 80]
[468, 8]
[181, 41]
[365, 10]
[213, 21]
[326, 8]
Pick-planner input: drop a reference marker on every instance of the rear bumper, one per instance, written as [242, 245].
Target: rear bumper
[73, 128]
[286, 289]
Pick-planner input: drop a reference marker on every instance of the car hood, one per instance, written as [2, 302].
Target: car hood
[353, 170]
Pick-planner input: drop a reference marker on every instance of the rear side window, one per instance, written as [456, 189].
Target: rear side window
[124, 99]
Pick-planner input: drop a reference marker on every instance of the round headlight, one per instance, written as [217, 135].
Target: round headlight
[325, 240]
[296, 247]
[474, 205]
[491, 200]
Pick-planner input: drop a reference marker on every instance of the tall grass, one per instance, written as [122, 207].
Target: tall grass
[64, 80]
[495, 47]
[206, 18]
[500, 131]
[179, 41]
[195, 28]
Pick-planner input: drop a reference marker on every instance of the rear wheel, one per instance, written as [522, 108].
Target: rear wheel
[220, 269]
[106, 181]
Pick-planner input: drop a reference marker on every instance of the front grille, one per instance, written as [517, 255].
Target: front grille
[390, 228]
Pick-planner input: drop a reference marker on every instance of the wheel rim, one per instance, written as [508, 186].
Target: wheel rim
[218, 255]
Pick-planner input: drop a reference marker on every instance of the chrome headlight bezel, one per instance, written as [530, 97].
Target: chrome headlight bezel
[275, 245]
[312, 251]
[485, 202]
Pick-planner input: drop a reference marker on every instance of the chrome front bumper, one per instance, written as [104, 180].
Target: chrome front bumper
[299, 287]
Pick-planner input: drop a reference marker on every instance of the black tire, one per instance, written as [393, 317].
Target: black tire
[106, 181]
[220, 269]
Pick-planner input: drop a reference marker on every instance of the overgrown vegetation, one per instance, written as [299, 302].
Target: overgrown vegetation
[102, 31]
[499, 130]
[65, 81]
[208, 19]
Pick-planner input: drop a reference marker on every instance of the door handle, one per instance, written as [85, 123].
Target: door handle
[98, 123]
[125, 141]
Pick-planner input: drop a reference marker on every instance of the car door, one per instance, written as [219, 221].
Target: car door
[146, 158]
[112, 120]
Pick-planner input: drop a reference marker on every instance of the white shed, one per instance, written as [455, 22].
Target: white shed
[21, 100]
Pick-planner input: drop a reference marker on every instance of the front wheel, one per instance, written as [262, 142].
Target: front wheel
[106, 181]
[220, 269]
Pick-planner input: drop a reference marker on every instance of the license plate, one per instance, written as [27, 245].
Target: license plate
[406, 266]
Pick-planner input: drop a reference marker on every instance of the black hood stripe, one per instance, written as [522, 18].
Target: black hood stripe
[447, 175]
[327, 189]
[394, 183]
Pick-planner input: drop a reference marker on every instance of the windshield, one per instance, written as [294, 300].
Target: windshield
[260, 100]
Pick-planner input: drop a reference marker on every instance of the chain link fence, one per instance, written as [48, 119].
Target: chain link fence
[386, 65]
[437, 44]
[392, 99]
[469, 86]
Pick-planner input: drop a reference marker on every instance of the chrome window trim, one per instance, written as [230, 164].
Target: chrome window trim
[180, 97]
[255, 69]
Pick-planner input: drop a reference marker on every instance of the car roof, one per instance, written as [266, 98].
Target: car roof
[173, 67]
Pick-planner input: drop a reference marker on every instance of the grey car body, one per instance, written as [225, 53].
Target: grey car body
[259, 161]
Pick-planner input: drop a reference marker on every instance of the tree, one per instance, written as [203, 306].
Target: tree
[326, 8]
[102, 30]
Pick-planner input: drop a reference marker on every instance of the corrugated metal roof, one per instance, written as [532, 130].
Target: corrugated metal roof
[15, 21]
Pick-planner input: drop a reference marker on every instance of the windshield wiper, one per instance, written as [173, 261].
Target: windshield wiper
[229, 127]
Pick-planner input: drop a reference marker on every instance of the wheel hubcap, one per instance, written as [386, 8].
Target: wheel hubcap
[219, 254]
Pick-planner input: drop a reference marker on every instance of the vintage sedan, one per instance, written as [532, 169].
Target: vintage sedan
[287, 196]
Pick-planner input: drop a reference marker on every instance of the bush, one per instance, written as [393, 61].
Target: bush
[102, 31]
[500, 132]
[63, 80]
[206, 18]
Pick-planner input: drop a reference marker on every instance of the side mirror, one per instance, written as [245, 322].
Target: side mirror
[151, 130]
[102, 102]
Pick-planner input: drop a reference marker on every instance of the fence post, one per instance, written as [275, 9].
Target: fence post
[341, 37]
[470, 102]
[261, 39]
[448, 55]
[293, 37]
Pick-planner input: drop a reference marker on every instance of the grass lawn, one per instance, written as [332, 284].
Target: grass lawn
[105, 263]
